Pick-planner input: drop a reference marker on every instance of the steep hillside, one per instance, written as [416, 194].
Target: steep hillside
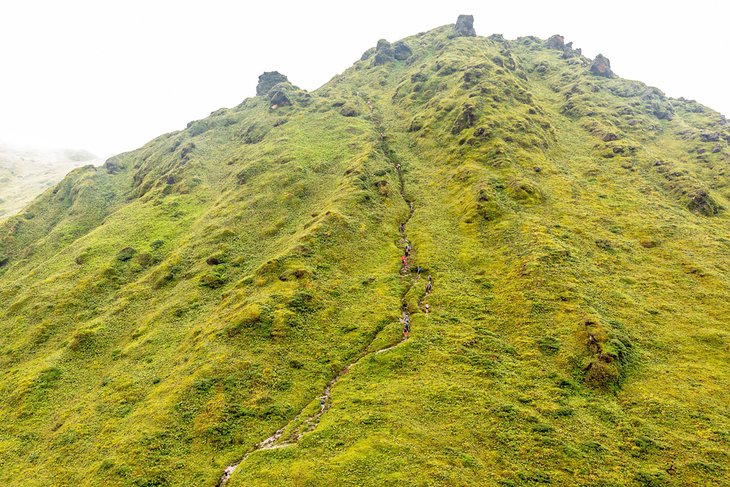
[24, 174]
[225, 304]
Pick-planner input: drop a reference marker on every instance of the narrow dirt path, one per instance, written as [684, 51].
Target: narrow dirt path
[299, 428]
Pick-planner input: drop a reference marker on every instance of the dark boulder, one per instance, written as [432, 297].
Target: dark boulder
[601, 66]
[464, 26]
[268, 80]
[401, 51]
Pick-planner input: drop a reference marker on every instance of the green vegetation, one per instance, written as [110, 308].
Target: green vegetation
[166, 312]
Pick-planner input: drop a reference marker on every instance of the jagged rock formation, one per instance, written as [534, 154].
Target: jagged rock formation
[268, 80]
[558, 42]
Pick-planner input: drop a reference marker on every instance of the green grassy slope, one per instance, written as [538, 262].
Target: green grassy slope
[165, 313]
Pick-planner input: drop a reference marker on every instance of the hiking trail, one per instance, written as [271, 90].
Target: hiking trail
[311, 422]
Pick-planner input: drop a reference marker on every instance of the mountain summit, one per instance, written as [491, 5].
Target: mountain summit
[465, 260]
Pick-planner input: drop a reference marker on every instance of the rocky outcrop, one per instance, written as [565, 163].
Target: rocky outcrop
[268, 80]
[383, 53]
[464, 27]
[386, 52]
[569, 52]
[601, 66]
[556, 42]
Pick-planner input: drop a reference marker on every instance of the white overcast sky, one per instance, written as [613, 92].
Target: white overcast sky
[108, 76]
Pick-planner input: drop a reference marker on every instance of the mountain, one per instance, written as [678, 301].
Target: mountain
[25, 173]
[224, 305]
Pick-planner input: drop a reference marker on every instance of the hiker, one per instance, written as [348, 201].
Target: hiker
[321, 402]
[406, 328]
[397, 166]
[418, 270]
[408, 249]
[427, 308]
[404, 260]
[429, 285]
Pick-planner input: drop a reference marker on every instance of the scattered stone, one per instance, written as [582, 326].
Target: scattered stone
[610, 137]
[212, 261]
[268, 80]
[601, 66]
[464, 26]
[716, 149]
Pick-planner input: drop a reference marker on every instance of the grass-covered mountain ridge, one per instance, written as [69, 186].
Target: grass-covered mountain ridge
[223, 305]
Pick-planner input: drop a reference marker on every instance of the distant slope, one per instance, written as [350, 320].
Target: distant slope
[186, 306]
[25, 173]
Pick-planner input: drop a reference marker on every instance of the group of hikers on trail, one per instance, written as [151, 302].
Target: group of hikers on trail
[406, 320]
